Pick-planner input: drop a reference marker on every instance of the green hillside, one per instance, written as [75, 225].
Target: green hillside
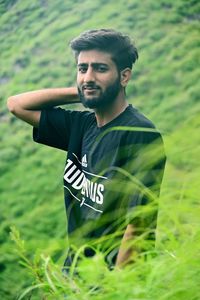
[34, 39]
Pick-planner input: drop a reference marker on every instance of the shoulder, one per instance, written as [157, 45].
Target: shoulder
[70, 115]
[81, 118]
[142, 129]
[137, 119]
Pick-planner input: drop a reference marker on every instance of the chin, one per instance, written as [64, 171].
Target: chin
[92, 103]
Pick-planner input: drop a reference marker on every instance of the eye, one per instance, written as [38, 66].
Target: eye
[82, 69]
[101, 68]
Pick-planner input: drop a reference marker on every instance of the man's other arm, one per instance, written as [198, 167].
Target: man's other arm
[28, 106]
[149, 174]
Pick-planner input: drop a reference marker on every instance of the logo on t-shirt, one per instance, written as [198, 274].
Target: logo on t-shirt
[84, 161]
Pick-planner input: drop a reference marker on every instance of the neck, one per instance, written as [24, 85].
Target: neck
[108, 113]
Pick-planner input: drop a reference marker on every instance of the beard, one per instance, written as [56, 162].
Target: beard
[105, 98]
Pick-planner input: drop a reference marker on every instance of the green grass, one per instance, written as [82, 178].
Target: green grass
[35, 54]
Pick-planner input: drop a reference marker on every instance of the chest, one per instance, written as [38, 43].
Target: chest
[101, 150]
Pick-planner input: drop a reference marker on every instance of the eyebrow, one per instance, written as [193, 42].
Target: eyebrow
[92, 64]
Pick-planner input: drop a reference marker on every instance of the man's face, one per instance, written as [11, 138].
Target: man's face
[98, 79]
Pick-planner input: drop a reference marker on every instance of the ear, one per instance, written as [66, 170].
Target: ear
[125, 76]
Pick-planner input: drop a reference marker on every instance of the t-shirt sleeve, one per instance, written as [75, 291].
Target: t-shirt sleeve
[56, 126]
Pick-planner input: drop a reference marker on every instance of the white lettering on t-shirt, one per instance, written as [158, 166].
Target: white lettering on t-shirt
[99, 198]
[77, 179]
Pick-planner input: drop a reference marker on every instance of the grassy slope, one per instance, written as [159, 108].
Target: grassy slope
[34, 48]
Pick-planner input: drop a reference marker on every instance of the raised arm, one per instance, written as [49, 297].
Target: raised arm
[28, 106]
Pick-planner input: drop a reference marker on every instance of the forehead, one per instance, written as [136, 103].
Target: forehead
[94, 56]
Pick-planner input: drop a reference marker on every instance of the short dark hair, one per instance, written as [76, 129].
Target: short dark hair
[120, 46]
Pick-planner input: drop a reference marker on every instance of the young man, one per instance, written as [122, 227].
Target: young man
[115, 158]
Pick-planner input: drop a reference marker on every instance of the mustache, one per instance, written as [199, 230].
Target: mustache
[90, 86]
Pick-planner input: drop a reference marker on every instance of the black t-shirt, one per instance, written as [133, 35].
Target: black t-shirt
[109, 170]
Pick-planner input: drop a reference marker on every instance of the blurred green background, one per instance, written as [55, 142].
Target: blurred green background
[34, 39]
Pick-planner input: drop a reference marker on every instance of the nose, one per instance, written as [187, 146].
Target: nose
[89, 75]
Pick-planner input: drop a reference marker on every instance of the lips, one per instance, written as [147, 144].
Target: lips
[90, 88]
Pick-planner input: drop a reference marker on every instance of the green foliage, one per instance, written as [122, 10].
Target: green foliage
[35, 54]
[162, 274]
